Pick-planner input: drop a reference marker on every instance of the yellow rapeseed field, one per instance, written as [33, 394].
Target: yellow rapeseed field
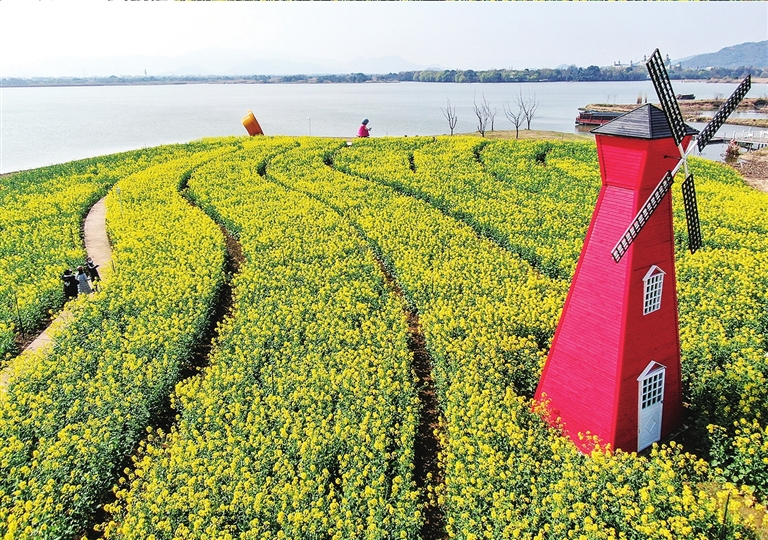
[304, 422]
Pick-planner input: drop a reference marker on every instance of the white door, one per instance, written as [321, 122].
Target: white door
[651, 402]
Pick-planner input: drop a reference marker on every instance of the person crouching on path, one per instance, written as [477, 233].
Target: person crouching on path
[91, 269]
[364, 129]
[83, 287]
[70, 284]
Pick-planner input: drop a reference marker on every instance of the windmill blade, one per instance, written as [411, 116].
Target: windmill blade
[724, 112]
[663, 87]
[691, 214]
[642, 217]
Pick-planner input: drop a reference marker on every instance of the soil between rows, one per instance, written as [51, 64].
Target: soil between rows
[428, 472]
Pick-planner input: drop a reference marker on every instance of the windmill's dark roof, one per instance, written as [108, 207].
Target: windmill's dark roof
[645, 122]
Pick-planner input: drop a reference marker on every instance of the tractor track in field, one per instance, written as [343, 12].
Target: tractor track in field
[429, 474]
[223, 305]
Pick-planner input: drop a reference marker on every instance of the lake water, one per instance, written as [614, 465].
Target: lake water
[43, 126]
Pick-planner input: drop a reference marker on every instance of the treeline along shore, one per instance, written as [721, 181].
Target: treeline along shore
[635, 72]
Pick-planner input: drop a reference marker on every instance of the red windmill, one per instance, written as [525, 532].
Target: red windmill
[614, 366]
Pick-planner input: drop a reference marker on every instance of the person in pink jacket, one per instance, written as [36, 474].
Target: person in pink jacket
[364, 129]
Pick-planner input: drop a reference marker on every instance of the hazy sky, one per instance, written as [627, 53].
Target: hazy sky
[457, 35]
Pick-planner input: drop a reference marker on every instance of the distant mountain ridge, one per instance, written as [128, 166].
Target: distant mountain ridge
[754, 54]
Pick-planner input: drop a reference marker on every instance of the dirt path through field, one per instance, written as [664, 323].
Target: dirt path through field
[96, 240]
[98, 248]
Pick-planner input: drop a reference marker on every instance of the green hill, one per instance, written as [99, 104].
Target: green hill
[754, 54]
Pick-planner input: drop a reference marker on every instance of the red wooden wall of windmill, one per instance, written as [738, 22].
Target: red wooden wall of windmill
[604, 341]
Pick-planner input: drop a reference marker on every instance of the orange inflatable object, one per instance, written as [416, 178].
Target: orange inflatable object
[251, 124]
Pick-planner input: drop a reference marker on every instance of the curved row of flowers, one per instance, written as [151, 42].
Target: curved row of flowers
[723, 294]
[521, 205]
[486, 315]
[73, 411]
[303, 425]
[41, 212]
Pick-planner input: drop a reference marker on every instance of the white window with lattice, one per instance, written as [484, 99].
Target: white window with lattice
[650, 404]
[653, 282]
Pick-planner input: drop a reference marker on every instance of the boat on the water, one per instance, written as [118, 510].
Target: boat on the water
[596, 118]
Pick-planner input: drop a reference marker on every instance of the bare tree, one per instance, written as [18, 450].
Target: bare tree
[515, 117]
[482, 113]
[491, 114]
[450, 115]
[529, 105]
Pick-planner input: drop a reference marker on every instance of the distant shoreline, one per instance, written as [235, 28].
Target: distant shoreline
[184, 83]
[354, 78]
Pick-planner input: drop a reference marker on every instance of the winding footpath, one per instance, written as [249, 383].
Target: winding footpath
[98, 248]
